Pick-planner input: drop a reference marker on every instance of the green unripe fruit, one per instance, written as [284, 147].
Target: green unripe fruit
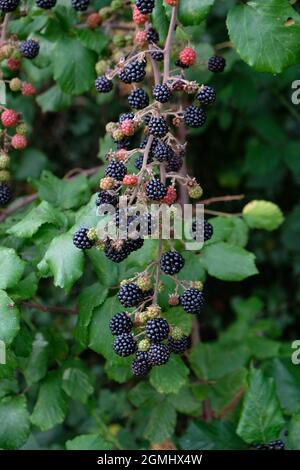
[105, 12]
[116, 5]
[15, 84]
[21, 129]
[118, 135]
[4, 161]
[144, 345]
[119, 40]
[177, 333]
[195, 192]
[129, 39]
[4, 175]
[92, 234]
[101, 67]
[111, 127]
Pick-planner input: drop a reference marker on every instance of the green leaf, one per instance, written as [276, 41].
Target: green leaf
[89, 298]
[12, 268]
[287, 380]
[193, 12]
[88, 442]
[119, 368]
[77, 74]
[262, 36]
[185, 402]
[94, 40]
[261, 419]
[36, 366]
[54, 100]
[294, 433]
[15, 424]
[170, 378]
[100, 337]
[42, 214]
[9, 319]
[26, 288]
[218, 435]
[51, 406]
[64, 261]
[228, 262]
[163, 413]
[77, 384]
[222, 392]
[102, 266]
[159, 20]
[263, 215]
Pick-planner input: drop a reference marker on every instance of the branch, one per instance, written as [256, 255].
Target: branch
[231, 405]
[211, 200]
[45, 308]
[4, 27]
[223, 214]
[168, 44]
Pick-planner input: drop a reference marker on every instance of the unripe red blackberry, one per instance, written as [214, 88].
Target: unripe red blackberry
[29, 48]
[19, 142]
[162, 93]
[128, 127]
[158, 127]
[28, 89]
[206, 95]
[140, 38]
[187, 56]
[138, 17]
[192, 300]
[145, 6]
[130, 180]
[130, 295]
[120, 323]
[171, 262]
[93, 20]
[155, 189]
[194, 116]
[103, 84]
[216, 64]
[138, 99]
[80, 5]
[125, 345]
[9, 118]
[159, 354]
[171, 196]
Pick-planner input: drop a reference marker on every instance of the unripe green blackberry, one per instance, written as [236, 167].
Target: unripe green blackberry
[144, 345]
[15, 84]
[116, 5]
[4, 161]
[101, 67]
[119, 40]
[4, 176]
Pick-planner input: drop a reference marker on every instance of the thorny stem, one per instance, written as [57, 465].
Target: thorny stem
[168, 44]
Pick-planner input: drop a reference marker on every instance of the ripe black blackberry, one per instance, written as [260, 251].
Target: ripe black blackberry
[162, 93]
[154, 144]
[104, 197]
[135, 244]
[5, 193]
[80, 5]
[175, 163]
[273, 445]
[180, 64]
[159, 354]
[155, 189]
[117, 255]
[46, 4]
[216, 64]
[120, 323]
[125, 345]
[123, 117]
[192, 300]
[202, 229]
[163, 152]
[179, 346]
[206, 95]
[29, 48]
[157, 55]
[194, 116]
[9, 5]
[152, 36]
[158, 127]
[171, 262]
[145, 6]
[125, 143]
[116, 170]
[81, 240]
[103, 84]
[139, 161]
[139, 369]
[138, 99]
[157, 329]
[130, 295]
[134, 72]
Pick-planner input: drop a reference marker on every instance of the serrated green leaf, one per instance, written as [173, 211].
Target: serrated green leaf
[25, 289]
[12, 268]
[88, 442]
[294, 433]
[94, 40]
[160, 20]
[193, 12]
[77, 384]
[170, 378]
[287, 380]
[263, 215]
[9, 319]
[54, 100]
[218, 435]
[119, 368]
[163, 413]
[100, 337]
[37, 363]
[15, 424]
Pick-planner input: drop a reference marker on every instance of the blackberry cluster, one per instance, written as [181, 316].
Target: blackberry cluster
[29, 48]
[130, 295]
[273, 445]
[179, 346]
[194, 116]
[134, 72]
[81, 239]
[104, 197]
[155, 189]
[116, 170]
[9, 5]
[175, 163]
[103, 84]
[157, 329]
[158, 127]
[117, 255]
[138, 99]
[171, 262]
[125, 345]
[206, 95]
[202, 229]
[157, 55]
[120, 323]
[125, 116]
[163, 152]
[145, 6]
[162, 93]
[5, 194]
[80, 5]
[46, 4]
[192, 300]
[152, 36]
[216, 64]
[159, 354]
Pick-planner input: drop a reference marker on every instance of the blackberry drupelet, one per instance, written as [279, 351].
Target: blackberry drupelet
[216, 64]
[163, 152]
[138, 99]
[145, 6]
[80, 5]
[162, 93]
[158, 127]
[46, 4]
[120, 323]
[152, 35]
[155, 189]
[175, 163]
[206, 95]
[203, 229]
[159, 354]
[123, 117]
[103, 84]
[116, 170]
[104, 197]
[192, 300]
[157, 55]
[171, 262]
[130, 295]
[125, 345]
[179, 346]
[29, 48]
[194, 116]
[134, 72]
[157, 329]
[81, 240]
[9, 5]
[5, 194]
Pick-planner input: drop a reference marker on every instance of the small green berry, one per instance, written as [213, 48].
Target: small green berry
[144, 345]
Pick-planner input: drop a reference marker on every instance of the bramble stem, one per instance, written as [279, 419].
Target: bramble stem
[168, 44]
